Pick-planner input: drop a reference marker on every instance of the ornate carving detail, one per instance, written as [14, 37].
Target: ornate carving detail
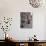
[35, 3]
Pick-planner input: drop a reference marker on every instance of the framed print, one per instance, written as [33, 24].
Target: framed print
[26, 20]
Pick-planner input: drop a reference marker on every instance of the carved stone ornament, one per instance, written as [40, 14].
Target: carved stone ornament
[35, 3]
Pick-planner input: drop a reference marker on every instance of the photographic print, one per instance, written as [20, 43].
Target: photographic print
[26, 20]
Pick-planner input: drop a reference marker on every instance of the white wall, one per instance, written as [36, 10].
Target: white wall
[12, 8]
